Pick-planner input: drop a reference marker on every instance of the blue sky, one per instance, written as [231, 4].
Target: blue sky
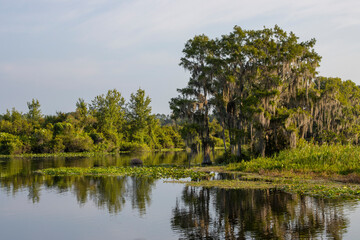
[60, 50]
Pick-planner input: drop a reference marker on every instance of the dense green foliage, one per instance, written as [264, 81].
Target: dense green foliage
[308, 157]
[108, 124]
[262, 87]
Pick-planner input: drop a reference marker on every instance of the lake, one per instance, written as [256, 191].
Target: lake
[33, 206]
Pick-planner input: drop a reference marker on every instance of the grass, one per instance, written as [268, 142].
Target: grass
[153, 172]
[307, 158]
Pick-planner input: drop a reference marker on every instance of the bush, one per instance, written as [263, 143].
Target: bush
[97, 137]
[105, 146]
[134, 147]
[10, 144]
[41, 141]
[76, 143]
[56, 145]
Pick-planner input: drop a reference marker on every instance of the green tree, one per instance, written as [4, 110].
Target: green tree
[258, 82]
[141, 122]
[83, 117]
[34, 113]
[109, 112]
[193, 101]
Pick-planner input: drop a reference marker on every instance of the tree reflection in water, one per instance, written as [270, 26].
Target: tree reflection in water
[107, 192]
[203, 213]
[18, 173]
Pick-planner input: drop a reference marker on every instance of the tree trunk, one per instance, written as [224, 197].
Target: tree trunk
[263, 147]
[239, 137]
[223, 134]
[207, 151]
[292, 139]
[262, 143]
[206, 143]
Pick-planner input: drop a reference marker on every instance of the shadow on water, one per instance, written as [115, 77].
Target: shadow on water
[197, 213]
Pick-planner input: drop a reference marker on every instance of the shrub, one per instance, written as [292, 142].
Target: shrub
[56, 145]
[41, 141]
[10, 144]
[134, 147]
[76, 142]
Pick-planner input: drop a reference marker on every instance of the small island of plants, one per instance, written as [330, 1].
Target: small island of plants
[148, 172]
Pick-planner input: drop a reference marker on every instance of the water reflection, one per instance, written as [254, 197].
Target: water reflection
[197, 213]
[106, 192]
[16, 166]
[18, 173]
[203, 213]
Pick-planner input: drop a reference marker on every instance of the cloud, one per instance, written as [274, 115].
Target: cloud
[119, 24]
[104, 44]
[144, 20]
[50, 73]
[339, 14]
[141, 21]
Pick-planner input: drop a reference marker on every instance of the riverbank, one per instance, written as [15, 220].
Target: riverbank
[82, 154]
[45, 155]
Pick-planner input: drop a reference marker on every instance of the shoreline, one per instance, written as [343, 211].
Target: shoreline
[82, 154]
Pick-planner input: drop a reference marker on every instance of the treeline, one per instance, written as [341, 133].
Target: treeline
[107, 124]
[262, 87]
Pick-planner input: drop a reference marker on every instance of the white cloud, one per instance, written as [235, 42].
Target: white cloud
[139, 21]
[143, 20]
[117, 24]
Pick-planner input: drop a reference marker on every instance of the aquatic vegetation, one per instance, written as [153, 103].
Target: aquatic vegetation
[233, 184]
[307, 157]
[328, 190]
[151, 172]
[312, 188]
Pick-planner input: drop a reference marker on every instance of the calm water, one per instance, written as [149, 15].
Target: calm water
[43, 207]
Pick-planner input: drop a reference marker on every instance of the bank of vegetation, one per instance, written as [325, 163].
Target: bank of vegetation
[107, 124]
[307, 158]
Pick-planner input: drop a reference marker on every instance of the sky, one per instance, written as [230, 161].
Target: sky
[60, 50]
